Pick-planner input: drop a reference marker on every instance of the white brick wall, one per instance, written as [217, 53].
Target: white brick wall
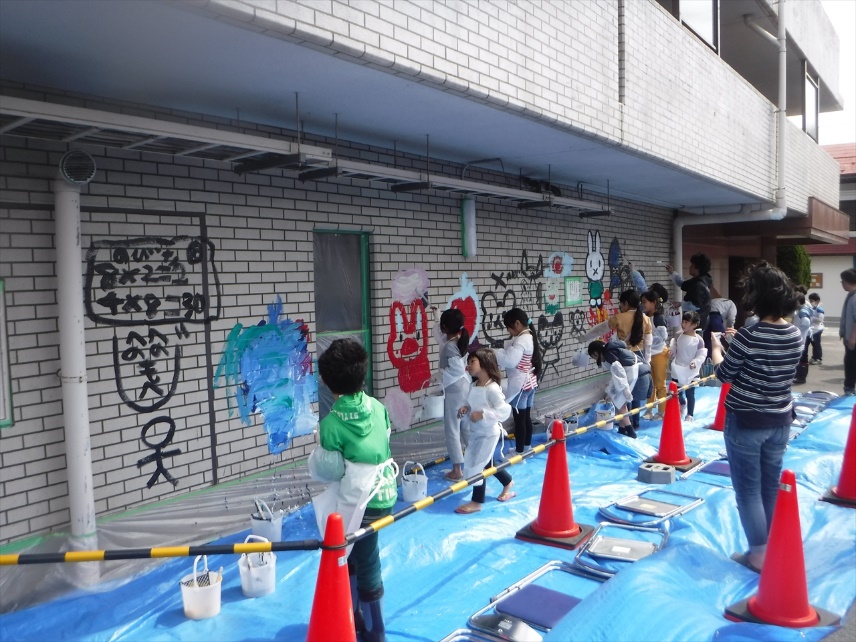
[261, 227]
[559, 60]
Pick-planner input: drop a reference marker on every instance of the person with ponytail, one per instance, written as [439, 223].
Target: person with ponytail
[652, 305]
[453, 339]
[636, 330]
[521, 358]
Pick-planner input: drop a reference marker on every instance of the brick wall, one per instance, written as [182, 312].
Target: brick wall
[261, 227]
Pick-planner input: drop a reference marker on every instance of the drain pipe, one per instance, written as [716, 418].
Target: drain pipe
[72, 348]
[779, 209]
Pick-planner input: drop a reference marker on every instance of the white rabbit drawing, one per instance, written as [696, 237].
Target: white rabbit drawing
[594, 270]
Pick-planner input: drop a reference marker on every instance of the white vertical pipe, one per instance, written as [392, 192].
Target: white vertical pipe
[72, 350]
[783, 107]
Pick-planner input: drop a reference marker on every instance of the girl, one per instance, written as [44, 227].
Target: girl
[485, 411]
[453, 339]
[760, 364]
[631, 325]
[652, 305]
[521, 359]
[624, 368]
[689, 351]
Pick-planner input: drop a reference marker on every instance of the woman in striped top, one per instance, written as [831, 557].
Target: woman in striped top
[760, 365]
[521, 358]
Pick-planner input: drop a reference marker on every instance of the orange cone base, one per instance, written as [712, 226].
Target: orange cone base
[740, 612]
[834, 498]
[683, 466]
[528, 535]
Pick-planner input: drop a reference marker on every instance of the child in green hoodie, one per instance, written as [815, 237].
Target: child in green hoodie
[354, 456]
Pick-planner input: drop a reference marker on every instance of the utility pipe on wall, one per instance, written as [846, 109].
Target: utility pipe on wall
[780, 209]
[75, 398]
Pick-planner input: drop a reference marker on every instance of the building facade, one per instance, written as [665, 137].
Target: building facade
[256, 178]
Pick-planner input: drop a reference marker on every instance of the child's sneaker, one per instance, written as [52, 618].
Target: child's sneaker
[816, 362]
[648, 415]
[688, 418]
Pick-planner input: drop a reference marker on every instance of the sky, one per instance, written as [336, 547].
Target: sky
[840, 126]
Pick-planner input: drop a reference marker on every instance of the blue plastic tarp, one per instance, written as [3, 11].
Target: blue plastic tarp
[439, 567]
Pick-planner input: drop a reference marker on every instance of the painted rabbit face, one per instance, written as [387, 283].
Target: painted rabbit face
[594, 260]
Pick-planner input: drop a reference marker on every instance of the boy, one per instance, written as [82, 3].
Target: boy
[354, 455]
[817, 329]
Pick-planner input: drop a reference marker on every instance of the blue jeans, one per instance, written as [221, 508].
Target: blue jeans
[755, 456]
[686, 397]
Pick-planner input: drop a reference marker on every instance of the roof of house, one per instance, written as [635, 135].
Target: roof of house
[845, 154]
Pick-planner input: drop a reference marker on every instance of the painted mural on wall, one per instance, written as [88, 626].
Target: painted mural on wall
[466, 300]
[141, 286]
[407, 345]
[620, 278]
[269, 369]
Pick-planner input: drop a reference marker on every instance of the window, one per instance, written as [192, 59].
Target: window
[811, 93]
[702, 17]
[342, 297]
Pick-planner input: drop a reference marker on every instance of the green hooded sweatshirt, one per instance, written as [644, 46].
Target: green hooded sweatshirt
[358, 427]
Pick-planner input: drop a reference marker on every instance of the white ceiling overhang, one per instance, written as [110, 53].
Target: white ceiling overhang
[150, 53]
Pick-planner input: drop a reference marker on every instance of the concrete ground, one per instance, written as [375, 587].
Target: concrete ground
[830, 377]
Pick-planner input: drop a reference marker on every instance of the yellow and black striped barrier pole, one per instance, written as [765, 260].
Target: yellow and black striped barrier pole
[159, 552]
[310, 544]
[383, 522]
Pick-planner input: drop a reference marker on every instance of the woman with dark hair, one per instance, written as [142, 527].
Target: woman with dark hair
[760, 366]
[521, 359]
[697, 296]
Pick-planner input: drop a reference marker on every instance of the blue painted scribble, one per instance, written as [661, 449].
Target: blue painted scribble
[270, 370]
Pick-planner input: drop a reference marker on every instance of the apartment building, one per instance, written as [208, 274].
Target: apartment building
[176, 175]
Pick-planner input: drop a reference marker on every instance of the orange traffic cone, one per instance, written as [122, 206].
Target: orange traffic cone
[555, 524]
[719, 420]
[782, 598]
[845, 493]
[671, 451]
[332, 617]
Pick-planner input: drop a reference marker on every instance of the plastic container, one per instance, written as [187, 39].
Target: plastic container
[414, 486]
[604, 410]
[433, 404]
[265, 524]
[258, 571]
[200, 592]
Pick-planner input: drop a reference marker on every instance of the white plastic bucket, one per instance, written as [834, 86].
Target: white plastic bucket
[265, 524]
[414, 486]
[258, 571]
[201, 596]
[602, 411]
[432, 405]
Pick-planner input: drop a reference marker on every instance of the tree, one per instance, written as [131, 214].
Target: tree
[794, 261]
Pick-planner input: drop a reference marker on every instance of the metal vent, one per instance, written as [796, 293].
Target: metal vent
[77, 167]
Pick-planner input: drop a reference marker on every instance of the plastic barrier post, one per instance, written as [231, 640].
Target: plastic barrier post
[332, 617]
[844, 494]
[555, 524]
[782, 598]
